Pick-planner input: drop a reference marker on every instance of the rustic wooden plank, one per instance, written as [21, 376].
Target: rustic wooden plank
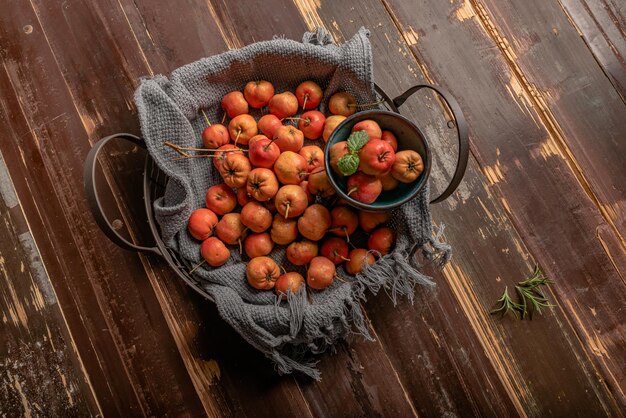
[602, 24]
[41, 371]
[578, 105]
[116, 323]
[560, 222]
[474, 284]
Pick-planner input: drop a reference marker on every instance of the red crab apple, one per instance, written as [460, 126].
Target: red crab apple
[262, 184]
[335, 249]
[288, 138]
[234, 104]
[337, 151]
[371, 127]
[372, 220]
[262, 273]
[342, 103]
[214, 252]
[408, 166]
[221, 199]
[291, 281]
[363, 187]
[263, 153]
[382, 240]
[215, 135]
[321, 273]
[390, 138]
[201, 223]
[309, 94]
[330, 124]
[222, 153]
[258, 93]
[230, 229]
[235, 169]
[290, 168]
[300, 253]
[291, 200]
[388, 181]
[319, 184]
[314, 222]
[283, 105]
[311, 124]
[344, 221]
[243, 196]
[284, 231]
[359, 257]
[314, 157]
[257, 245]
[376, 157]
[241, 128]
[256, 217]
[268, 124]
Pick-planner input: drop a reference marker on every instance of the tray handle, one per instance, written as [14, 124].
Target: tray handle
[462, 132]
[89, 178]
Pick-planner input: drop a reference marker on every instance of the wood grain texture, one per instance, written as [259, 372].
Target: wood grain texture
[508, 138]
[113, 317]
[577, 103]
[150, 346]
[602, 24]
[41, 370]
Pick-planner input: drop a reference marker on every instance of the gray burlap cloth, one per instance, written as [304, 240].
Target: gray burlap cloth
[287, 331]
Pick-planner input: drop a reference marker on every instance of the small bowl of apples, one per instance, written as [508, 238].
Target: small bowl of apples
[377, 160]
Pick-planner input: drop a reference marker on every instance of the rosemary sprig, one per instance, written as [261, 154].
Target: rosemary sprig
[506, 305]
[531, 298]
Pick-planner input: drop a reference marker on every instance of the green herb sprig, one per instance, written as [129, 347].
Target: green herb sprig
[531, 298]
[349, 163]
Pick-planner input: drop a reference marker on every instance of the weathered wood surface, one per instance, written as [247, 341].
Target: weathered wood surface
[602, 24]
[124, 337]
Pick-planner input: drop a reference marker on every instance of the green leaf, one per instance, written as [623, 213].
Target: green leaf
[357, 140]
[348, 164]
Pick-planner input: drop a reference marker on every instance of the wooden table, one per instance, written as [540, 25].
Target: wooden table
[90, 329]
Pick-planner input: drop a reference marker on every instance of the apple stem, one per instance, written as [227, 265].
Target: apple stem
[206, 118]
[195, 156]
[179, 148]
[340, 279]
[283, 268]
[240, 246]
[365, 104]
[306, 96]
[237, 137]
[344, 258]
[223, 118]
[352, 190]
[197, 266]
[352, 245]
[267, 147]
[287, 206]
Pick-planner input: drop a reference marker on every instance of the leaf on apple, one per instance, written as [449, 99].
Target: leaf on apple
[348, 164]
[357, 140]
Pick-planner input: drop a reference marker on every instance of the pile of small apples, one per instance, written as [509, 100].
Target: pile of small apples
[270, 183]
